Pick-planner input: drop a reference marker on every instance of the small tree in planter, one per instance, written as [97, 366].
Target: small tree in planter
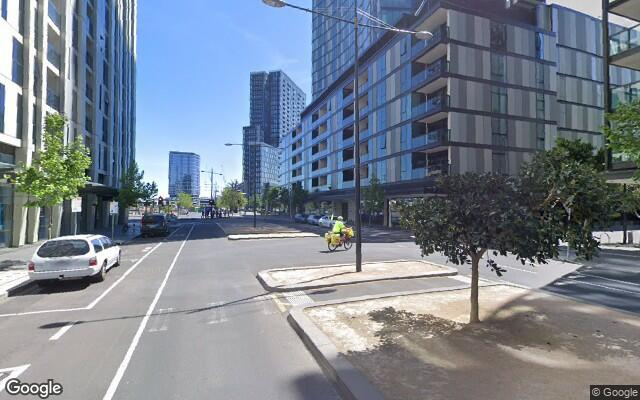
[57, 172]
[373, 197]
[476, 213]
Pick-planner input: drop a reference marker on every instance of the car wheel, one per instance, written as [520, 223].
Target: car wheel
[99, 277]
[117, 264]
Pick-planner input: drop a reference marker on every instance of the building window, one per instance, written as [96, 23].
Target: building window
[498, 36]
[539, 45]
[499, 132]
[540, 76]
[2, 108]
[498, 71]
[499, 99]
[19, 117]
[540, 136]
[540, 108]
[16, 72]
[499, 162]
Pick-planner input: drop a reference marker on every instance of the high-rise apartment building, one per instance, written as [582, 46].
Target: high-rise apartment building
[78, 58]
[184, 174]
[275, 106]
[496, 83]
[332, 40]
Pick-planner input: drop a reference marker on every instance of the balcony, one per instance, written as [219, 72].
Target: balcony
[439, 36]
[430, 106]
[625, 94]
[624, 48]
[626, 8]
[430, 73]
[53, 100]
[54, 56]
[437, 137]
[54, 15]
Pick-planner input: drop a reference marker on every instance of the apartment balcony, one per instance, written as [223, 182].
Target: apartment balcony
[624, 47]
[440, 35]
[348, 99]
[53, 99]
[53, 56]
[348, 121]
[435, 138]
[440, 168]
[431, 106]
[430, 73]
[54, 14]
[625, 94]
[626, 8]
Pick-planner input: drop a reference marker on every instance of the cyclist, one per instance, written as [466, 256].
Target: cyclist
[339, 226]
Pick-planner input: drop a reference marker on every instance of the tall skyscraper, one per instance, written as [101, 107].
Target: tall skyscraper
[78, 58]
[184, 174]
[275, 106]
[332, 40]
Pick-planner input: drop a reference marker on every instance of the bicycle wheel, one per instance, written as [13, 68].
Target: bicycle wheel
[332, 247]
[347, 244]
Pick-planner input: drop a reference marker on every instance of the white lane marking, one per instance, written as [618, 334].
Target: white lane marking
[517, 269]
[146, 249]
[297, 298]
[219, 313]
[467, 280]
[134, 343]
[607, 279]
[13, 372]
[161, 320]
[97, 300]
[62, 331]
[574, 282]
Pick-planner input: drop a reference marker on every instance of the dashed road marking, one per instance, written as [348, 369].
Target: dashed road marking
[146, 249]
[219, 313]
[62, 330]
[161, 320]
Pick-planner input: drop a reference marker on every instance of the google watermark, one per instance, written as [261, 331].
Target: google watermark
[614, 392]
[15, 387]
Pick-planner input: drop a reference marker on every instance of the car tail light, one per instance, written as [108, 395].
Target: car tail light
[31, 266]
[93, 261]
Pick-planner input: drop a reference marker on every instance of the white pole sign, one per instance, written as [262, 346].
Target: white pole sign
[76, 204]
[113, 207]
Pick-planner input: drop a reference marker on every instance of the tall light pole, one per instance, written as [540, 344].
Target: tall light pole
[211, 174]
[356, 98]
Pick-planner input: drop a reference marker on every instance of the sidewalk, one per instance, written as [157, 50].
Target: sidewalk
[13, 260]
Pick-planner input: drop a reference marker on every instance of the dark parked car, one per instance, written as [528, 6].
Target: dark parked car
[154, 224]
[302, 218]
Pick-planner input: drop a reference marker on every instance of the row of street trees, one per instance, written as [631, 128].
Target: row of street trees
[59, 171]
[281, 197]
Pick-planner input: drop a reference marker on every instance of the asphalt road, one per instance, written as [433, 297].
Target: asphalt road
[185, 318]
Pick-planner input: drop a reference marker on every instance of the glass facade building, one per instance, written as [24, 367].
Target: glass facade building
[184, 174]
[492, 86]
[275, 106]
[332, 40]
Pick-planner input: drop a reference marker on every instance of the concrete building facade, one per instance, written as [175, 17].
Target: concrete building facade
[275, 106]
[184, 174]
[492, 86]
[78, 58]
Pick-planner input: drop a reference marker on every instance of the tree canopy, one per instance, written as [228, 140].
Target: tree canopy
[373, 196]
[231, 199]
[623, 131]
[185, 200]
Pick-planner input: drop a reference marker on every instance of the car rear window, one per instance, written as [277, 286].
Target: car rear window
[63, 248]
[152, 219]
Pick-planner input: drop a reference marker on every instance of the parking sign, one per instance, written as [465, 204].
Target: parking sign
[76, 205]
[113, 207]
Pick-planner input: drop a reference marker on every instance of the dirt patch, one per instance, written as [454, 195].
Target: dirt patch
[530, 345]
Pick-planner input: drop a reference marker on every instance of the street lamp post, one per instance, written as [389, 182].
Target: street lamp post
[356, 98]
[211, 174]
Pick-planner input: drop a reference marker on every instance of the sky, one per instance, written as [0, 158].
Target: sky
[193, 66]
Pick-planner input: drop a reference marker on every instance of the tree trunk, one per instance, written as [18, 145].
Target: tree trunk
[50, 224]
[474, 314]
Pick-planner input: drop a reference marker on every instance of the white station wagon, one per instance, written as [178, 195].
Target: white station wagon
[72, 257]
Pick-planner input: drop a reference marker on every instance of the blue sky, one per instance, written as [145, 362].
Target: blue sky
[194, 60]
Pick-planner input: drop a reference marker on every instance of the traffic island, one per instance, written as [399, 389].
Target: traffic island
[419, 345]
[303, 278]
[277, 235]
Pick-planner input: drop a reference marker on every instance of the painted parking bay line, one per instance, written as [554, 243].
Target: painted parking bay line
[113, 386]
[62, 330]
[11, 373]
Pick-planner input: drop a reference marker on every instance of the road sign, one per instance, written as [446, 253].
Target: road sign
[76, 204]
[113, 207]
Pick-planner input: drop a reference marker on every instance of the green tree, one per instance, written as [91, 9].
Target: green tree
[299, 196]
[185, 201]
[57, 172]
[149, 191]
[232, 199]
[622, 131]
[131, 186]
[579, 151]
[373, 197]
